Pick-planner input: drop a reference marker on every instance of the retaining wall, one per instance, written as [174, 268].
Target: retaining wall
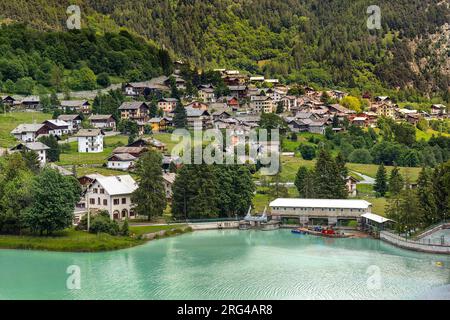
[413, 245]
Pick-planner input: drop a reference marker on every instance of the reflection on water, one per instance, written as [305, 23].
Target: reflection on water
[229, 264]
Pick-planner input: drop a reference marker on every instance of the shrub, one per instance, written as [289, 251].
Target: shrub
[308, 152]
[102, 224]
[360, 156]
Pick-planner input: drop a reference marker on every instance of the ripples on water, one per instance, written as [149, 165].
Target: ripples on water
[228, 264]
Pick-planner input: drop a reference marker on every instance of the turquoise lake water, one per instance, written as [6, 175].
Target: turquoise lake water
[229, 264]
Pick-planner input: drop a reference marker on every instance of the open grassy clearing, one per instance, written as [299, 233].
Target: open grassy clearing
[11, 120]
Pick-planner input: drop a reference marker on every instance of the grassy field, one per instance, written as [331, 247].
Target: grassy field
[69, 240]
[11, 120]
[290, 167]
[72, 156]
[426, 135]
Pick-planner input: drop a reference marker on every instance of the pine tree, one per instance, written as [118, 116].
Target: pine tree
[381, 186]
[280, 107]
[427, 204]
[304, 182]
[180, 117]
[150, 196]
[396, 182]
[329, 183]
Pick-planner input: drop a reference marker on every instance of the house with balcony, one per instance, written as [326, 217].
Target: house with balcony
[102, 121]
[79, 106]
[136, 111]
[38, 147]
[90, 140]
[57, 127]
[29, 132]
[167, 104]
[73, 120]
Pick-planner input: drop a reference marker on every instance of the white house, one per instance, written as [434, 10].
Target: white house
[38, 147]
[121, 161]
[73, 120]
[112, 194]
[57, 127]
[29, 132]
[168, 181]
[90, 140]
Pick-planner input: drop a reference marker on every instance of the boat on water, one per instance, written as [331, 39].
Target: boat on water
[328, 233]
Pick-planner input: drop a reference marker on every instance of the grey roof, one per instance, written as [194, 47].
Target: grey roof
[33, 127]
[192, 112]
[73, 103]
[33, 146]
[100, 117]
[169, 99]
[89, 133]
[123, 156]
[68, 117]
[117, 185]
[132, 105]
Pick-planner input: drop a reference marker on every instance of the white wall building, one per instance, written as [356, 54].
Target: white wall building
[308, 210]
[121, 161]
[112, 194]
[38, 147]
[90, 140]
[29, 132]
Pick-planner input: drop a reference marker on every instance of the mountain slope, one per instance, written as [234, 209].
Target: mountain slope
[318, 41]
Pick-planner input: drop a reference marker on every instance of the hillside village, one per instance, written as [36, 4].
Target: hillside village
[239, 106]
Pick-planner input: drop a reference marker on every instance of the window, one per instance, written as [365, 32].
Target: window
[98, 201]
[92, 201]
[95, 190]
[124, 200]
[116, 201]
[105, 202]
[102, 191]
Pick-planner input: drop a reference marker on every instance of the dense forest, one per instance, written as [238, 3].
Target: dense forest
[323, 42]
[33, 61]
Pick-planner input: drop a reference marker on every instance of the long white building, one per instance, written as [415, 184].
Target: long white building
[309, 211]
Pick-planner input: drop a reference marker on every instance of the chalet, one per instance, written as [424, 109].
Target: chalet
[198, 118]
[79, 106]
[154, 87]
[73, 120]
[384, 110]
[8, 101]
[289, 103]
[180, 83]
[134, 151]
[413, 119]
[262, 104]
[135, 111]
[90, 140]
[158, 124]
[29, 132]
[121, 161]
[306, 125]
[233, 103]
[167, 105]
[148, 143]
[38, 147]
[260, 79]
[383, 99]
[438, 109]
[167, 160]
[341, 111]
[319, 211]
[207, 94]
[336, 94]
[168, 181]
[197, 105]
[31, 102]
[360, 121]
[221, 115]
[57, 127]
[102, 121]
[112, 194]
[238, 91]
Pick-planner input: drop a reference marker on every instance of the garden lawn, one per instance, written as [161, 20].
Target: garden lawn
[11, 120]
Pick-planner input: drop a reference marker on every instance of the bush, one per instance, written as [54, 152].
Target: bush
[103, 80]
[125, 230]
[102, 224]
[308, 152]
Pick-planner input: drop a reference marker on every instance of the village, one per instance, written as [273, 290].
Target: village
[240, 112]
